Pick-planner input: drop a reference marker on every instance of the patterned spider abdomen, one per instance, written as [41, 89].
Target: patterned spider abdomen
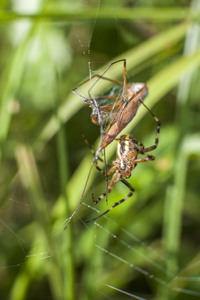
[126, 154]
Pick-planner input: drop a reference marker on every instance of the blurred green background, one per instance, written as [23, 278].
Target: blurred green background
[148, 246]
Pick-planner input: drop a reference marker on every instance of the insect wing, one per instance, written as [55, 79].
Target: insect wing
[106, 105]
[126, 112]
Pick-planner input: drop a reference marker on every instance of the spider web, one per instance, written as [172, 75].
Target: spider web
[119, 251]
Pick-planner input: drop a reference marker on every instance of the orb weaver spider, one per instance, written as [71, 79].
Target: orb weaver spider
[117, 115]
[127, 159]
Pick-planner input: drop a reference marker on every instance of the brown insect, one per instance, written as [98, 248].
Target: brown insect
[122, 109]
[118, 114]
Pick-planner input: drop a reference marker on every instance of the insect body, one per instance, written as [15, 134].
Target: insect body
[120, 108]
[125, 113]
[108, 111]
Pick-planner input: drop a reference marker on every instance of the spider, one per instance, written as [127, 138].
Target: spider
[117, 115]
[127, 159]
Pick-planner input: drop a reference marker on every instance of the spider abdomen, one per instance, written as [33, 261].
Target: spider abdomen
[126, 154]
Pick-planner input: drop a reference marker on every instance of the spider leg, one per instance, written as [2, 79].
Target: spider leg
[139, 144]
[99, 158]
[105, 173]
[142, 151]
[89, 146]
[117, 203]
[157, 130]
[104, 193]
[112, 182]
[144, 159]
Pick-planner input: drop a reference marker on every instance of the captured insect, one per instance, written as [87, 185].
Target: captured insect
[115, 110]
